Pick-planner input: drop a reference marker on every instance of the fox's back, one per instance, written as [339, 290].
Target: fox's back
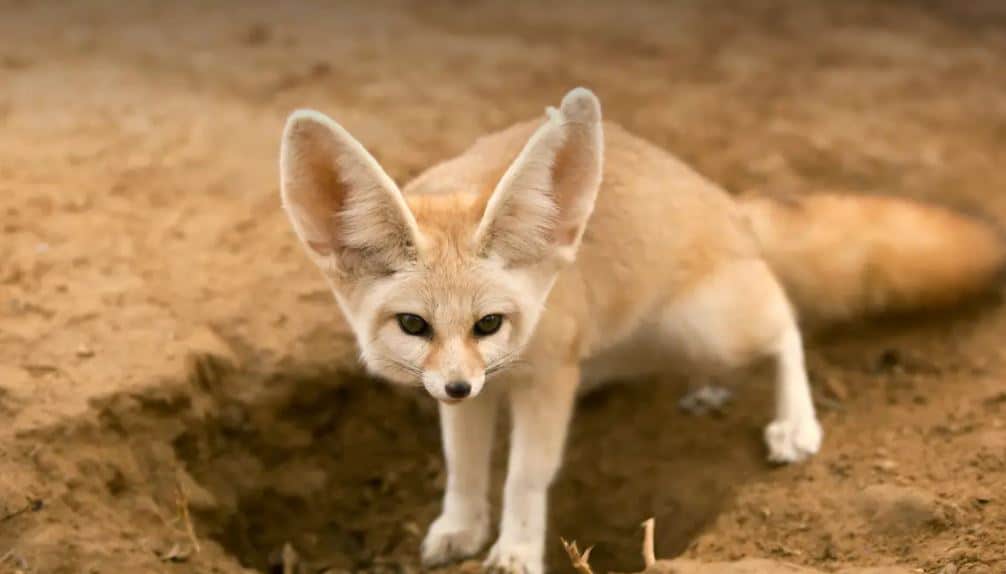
[657, 228]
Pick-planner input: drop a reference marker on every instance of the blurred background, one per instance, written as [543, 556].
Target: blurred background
[178, 392]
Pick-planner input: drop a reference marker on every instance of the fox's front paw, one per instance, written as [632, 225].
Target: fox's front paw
[793, 440]
[514, 559]
[452, 538]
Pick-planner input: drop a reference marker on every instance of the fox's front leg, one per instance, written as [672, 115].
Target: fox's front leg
[463, 526]
[541, 411]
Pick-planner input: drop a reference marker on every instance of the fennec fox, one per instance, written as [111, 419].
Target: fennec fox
[567, 249]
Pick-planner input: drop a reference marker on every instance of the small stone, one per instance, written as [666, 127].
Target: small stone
[176, 553]
[84, 352]
[885, 465]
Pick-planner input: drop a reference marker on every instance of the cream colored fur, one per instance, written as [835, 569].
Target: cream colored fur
[649, 268]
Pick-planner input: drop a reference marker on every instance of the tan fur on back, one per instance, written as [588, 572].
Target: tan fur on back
[657, 229]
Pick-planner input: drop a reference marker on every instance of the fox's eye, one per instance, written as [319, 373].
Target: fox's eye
[413, 324]
[488, 325]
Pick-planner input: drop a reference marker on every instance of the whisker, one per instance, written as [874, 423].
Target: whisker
[402, 366]
[407, 367]
[505, 362]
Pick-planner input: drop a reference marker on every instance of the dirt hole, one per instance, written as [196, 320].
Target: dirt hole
[349, 472]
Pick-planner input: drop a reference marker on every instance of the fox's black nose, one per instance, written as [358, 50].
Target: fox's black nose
[458, 389]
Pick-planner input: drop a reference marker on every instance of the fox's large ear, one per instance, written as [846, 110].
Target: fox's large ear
[346, 210]
[541, 205]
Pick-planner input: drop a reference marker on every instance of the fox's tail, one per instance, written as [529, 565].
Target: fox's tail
[842, 257]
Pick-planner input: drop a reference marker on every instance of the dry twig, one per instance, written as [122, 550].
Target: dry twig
[580, 561]
[291, 560]
[183, 509]
[649, 556]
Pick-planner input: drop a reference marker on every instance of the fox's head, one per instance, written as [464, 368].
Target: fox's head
[443, 290]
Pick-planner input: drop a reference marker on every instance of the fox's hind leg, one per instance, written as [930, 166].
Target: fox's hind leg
[739, 314]
[795, 434]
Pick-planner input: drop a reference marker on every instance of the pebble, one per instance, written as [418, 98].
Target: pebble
[885, 464]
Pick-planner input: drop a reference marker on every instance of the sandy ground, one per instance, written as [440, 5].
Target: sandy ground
[179, 393]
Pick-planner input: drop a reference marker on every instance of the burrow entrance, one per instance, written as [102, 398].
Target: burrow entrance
[348, 471]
